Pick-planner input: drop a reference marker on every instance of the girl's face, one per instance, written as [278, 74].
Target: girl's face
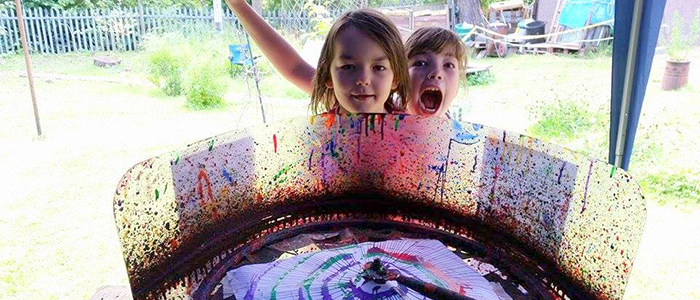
[361, 74]
[434, 82]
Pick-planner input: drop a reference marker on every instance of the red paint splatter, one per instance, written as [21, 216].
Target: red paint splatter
[330, 119]
[497, 171]
[400, 256]
[188, 287]
[215, 214]
[203, 176]
[274, 141]
[174, 243]
[463, 288]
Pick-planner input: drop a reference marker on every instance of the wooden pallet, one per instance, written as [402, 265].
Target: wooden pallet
[553, 48]
[475, 68]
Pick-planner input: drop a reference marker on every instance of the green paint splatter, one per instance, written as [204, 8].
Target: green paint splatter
[371, 122]
[166, 188]
[211, 144]
[325, 266]
[177, 159]
[396, 123]
[344, 288]
[273, 292]
[549, 170]
[157, 194]
[612, 171]
[282, 172]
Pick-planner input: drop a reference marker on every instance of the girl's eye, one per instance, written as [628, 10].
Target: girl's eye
[450, 65]
[347, 67]
[380, 68]
[419, 63]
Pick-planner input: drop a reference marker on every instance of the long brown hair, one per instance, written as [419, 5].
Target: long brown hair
[382, 31]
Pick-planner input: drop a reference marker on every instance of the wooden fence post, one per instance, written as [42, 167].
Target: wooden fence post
[28, 62]
[142, 23]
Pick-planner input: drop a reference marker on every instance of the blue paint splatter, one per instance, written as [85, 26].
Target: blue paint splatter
[227, 175]
[310, 156]
[463, 136]
[561, 172]
[330, 147]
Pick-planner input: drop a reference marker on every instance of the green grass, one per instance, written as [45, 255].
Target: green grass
[133, 64]
[62, 185]
[79, 64]
[674, 187]
[563, 119]
[569, 106]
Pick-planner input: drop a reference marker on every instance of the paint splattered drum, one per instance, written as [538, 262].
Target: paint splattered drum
[188, 217]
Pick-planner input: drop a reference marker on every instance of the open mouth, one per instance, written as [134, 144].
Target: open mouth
[430, 100]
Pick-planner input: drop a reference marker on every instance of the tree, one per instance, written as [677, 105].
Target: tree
[470, 12]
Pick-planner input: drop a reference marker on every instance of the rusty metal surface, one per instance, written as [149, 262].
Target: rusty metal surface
[180, 214]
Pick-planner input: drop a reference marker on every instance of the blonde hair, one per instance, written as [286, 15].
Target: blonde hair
[436, 39]
[382, 31]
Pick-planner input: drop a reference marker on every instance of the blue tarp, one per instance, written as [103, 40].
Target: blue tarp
[652, 13]
[575, 13]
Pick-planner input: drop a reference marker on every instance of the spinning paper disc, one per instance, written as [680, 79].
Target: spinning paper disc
[335, 273]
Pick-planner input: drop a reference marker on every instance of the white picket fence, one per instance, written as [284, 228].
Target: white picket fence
[56, 31]
[51, 31]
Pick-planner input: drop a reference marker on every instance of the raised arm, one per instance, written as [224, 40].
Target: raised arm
[282, 55]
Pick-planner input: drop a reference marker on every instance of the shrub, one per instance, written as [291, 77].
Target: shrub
[166, 56]
[195, 63]
[205, 86]
[678, 44]
[165, 71]
[320, 18]
[481, 78]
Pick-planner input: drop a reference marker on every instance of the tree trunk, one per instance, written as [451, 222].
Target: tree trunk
[470, 12]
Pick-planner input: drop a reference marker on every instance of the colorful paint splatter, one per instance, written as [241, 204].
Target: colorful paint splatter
[334, 274]
[572, 210]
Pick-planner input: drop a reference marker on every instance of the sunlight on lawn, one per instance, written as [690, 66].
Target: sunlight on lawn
[59, 240]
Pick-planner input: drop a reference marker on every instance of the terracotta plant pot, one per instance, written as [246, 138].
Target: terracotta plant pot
[675, 75]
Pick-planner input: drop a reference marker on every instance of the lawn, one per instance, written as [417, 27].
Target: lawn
[58, 239]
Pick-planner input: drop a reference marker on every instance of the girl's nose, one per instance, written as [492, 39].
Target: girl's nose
[362, 80]
[435, 75]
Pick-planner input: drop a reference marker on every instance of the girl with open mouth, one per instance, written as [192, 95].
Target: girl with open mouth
[436, 58]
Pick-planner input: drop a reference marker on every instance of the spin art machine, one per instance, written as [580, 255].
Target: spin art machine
[552, 222]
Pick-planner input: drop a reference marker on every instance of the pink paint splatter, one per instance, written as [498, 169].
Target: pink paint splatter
[274, 141]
